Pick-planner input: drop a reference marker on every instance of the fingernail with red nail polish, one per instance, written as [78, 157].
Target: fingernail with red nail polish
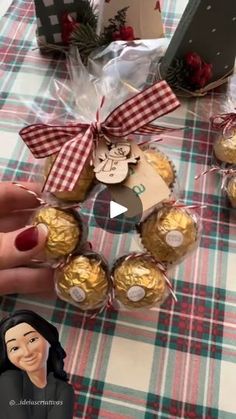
[27, 239]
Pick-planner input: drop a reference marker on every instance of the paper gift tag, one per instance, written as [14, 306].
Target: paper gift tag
[143, 16]
[145, 182]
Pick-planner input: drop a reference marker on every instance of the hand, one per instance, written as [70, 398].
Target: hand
[20, 242]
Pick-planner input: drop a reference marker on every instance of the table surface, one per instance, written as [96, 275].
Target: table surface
[178, 361]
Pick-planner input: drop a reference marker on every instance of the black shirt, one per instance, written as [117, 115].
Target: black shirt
[21, 399]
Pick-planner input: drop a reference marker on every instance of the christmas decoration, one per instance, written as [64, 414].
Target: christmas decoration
[78, 25]
[230, 189]
[85, 36]
[225, 145]
[84, 281]
[191, 72]
[103, 143]
[139, 281]
[66, 231]
[114, 163]
[170, 232]
[162, 164]
[82, 187]
[143, 18]
[134, 115]
[199, 59]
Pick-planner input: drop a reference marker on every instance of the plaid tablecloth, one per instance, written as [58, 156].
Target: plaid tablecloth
[175, 362]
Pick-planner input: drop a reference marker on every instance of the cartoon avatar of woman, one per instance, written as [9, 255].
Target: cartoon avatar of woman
[33, 383]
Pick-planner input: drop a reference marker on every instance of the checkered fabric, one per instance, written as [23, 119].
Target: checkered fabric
[49, 14]
[178, 361]
[74, 146]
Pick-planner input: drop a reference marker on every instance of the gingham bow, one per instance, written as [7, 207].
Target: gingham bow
[74, 142]
[225, 122]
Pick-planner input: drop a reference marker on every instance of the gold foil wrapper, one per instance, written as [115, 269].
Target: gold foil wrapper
[231, 191]
[225, 149]
[163, 166]
[82, 186]
[169, 234]
[83, 282]
[64, 231]
[139, 283]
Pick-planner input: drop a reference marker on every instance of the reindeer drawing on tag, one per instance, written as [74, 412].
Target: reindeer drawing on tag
[114, 167]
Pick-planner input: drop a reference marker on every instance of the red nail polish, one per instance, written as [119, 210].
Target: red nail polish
[27, 239]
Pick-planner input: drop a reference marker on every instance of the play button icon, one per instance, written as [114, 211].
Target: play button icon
[117, 209]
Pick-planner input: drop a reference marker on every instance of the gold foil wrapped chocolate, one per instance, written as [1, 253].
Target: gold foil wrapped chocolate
[64, 231]
[82, 187]
[231, 190]
[225, 149]
[84, 282]
[163, 166]
[138, 282]
[169, 233]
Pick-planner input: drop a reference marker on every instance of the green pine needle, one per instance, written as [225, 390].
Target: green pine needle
[87, 13]
[84, 35]
[86, 39]
[114, 25]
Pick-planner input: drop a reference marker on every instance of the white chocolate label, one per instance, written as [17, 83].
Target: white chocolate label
[174, 238]
[135, 293]
[77, 294]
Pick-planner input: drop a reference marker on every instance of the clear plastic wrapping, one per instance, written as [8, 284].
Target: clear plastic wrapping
[84, 281]
[138, 282]
[170, 233]
[223, 125]
[115, 74]
[229, 189]
[67, 232]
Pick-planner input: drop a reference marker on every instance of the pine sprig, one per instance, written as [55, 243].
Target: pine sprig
[87, 13]
[83, 33]
[114, 25]
[177, 74]
[86, 39]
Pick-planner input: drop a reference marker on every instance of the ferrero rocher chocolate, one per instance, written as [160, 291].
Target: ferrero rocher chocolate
[138, 282]
[225, 149]
[83, 282]
[64, 231]
[160, 162]
[82, 187]
[231, 191]
[169, 234]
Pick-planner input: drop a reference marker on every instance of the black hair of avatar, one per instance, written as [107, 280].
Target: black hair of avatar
[56, 355]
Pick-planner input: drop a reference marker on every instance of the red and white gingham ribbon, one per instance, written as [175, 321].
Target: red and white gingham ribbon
[74, 142]
[226, 122]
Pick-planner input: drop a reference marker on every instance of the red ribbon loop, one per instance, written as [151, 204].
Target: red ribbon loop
[224, 172]
[74, 142]
[226, 122]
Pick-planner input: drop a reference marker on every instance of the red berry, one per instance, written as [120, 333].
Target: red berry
[197, 80]
[116, 36]
[68, 24]
[207, 71]
[202, 82]
[193, 60]
[127, 33]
